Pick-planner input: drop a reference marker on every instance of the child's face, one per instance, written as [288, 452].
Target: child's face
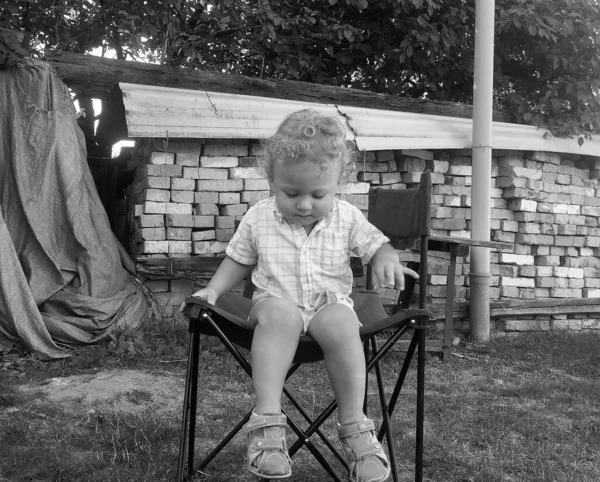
[304, 193]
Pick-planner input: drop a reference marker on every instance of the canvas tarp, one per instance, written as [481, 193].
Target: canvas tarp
[64, 280]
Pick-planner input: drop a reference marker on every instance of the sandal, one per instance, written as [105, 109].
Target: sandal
[366, 459]
[267, 450]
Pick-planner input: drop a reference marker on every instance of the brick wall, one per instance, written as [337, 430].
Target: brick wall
[187, 195]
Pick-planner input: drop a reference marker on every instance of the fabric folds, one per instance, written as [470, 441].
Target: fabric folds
[64, 280]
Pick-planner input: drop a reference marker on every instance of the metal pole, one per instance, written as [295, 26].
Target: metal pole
[479, 278]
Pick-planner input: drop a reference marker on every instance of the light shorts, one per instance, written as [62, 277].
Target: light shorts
[325, 299]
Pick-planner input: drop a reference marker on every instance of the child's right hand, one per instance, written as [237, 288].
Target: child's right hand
[208, 294]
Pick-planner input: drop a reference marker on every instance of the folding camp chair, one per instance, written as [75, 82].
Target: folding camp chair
[404, 216]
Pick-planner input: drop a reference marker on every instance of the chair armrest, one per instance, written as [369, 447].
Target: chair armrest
[446, 244]
[499, 245]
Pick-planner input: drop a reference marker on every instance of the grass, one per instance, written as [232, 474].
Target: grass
[521, 408]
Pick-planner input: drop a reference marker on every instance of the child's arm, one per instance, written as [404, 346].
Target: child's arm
[228, 274]
[387, 270]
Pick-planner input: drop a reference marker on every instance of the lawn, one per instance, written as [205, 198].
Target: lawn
[521, 408]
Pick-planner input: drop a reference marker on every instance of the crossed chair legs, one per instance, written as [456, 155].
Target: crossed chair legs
[417, 344]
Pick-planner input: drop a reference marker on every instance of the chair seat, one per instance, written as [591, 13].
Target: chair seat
[233, 310]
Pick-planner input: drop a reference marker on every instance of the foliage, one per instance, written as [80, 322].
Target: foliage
[546, 51]
[11, 49]
[548, 63]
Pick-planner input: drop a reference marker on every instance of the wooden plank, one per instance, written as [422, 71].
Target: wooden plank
[97, 76]
[193, 267]
[198, 267]
[516, 308]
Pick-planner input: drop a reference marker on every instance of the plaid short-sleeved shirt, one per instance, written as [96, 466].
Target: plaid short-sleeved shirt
[304, 268]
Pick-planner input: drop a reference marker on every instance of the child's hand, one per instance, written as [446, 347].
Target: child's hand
[387, 270]
[391, 275]
[208, 294]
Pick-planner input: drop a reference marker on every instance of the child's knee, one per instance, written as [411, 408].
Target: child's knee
[335, 322]
[279, 313]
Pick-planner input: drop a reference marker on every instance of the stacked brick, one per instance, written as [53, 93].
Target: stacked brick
[187, 196]
[556, 211]
[184, 201]
[548, 205]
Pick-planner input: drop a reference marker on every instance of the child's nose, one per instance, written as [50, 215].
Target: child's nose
[304, 204]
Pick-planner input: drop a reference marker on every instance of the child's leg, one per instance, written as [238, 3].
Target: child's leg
[336, 329]
[276, 336]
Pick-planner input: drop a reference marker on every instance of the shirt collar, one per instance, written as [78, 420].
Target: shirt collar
[323, 221]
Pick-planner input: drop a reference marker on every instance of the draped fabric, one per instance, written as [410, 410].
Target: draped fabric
[64, 280]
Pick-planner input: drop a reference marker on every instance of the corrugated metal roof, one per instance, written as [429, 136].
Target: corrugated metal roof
[153, 111]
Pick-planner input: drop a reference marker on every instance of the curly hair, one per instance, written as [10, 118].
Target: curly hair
[309, 135]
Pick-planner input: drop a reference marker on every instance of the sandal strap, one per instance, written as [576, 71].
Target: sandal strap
[365, 451]
[268, 444]
[354, 428]
[262, 421]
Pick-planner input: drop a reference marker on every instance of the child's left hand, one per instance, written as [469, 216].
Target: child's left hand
[387, 270]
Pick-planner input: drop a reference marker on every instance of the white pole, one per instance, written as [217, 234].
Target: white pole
[479, 278]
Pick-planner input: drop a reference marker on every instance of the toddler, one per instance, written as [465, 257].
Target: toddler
[297, 245]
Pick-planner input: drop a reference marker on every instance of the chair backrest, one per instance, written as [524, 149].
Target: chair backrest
[403, 215]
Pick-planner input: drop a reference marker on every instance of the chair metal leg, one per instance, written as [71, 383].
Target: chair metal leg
[417, 344]
[188, 423]
[193, 404]
[420, 331]
[312, 428]
[366, 399]
[302, 435]
[385, 424]
[233, 432]
[304, 439]
[401, 378]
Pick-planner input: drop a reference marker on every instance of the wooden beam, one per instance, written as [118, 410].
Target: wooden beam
[96, 76]
[197, 267]
[513, 308]
[193, 268]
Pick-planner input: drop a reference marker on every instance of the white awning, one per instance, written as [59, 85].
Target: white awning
[162, 112]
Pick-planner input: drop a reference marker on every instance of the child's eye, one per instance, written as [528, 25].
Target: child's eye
[290, 194]
[318, 196]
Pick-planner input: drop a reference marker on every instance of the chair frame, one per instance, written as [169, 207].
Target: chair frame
[200, 313]
[203, 318]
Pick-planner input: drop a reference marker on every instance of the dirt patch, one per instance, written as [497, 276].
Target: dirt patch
[118, 390]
